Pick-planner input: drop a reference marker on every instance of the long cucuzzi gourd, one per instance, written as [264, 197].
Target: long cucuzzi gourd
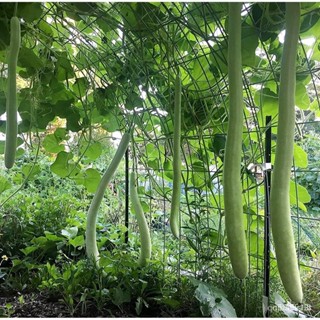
[145, 251]
[280, 186]
[176, 188]
[11, 104]
[232, 159]
[91, 242]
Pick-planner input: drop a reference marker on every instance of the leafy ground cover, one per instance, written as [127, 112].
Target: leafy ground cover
[43, 265]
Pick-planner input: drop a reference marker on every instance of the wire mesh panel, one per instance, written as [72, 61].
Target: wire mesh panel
[112, 66]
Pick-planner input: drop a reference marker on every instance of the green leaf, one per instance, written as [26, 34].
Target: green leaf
[93, 151]
[201, 74]
[255, 243]
[66, 276]
[31, 171]
[287, 308]
[120, 296]
[70, 233]
[51, 143]
[29, 250]
[80, 87]
[152, 151]
[141, 18]
[18, 178]
[73, 120]
[299, 195]
[168, 168]
[64, 68]
[268, 101]
[172, 303]
[45, 114]
[105, 99]
[133, 101]
[63, 165]
[213, 236]
[26, 110]
[77, 241]
[145, 206]
[60, 133]
[4, 184]
[52, 237]
[112, 123]
[42, 241]
[316, 52]
[61, 98]
[30, 11]
[219, 59]
[198, 166]
[213, 302]
[313, 29]
[309, 19]
[301, 97]
[28, 59]
[197, 9]
[139, 306]
[217, 145]
[303, 193]
[84, 7]
[200, 175]
[154, 164]
[300, 157]
[249, 44]
[107, 23]
[89, 178]
[44, 26]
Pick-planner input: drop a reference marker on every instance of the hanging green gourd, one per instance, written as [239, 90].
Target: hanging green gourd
[176, 188]
[232, 159]
[91, 242]
[280, 186]
[145, 239]
[11, 104]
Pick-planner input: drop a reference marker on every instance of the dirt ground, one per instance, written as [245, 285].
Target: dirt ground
[35, 305]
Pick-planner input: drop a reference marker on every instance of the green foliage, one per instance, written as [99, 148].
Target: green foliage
[6, 311]
[213, 302]
[119, 283]
[309, 177]
[287, 308]
[72, 282]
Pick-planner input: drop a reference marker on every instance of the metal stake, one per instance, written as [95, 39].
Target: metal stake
[267, 185]
[126, 217]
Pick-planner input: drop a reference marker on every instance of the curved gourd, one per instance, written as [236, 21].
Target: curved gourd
[232, 185]
[280, 185]
[145, 239]
[91, 242]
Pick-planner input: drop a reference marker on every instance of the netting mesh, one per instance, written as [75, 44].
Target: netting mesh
[128, 54]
